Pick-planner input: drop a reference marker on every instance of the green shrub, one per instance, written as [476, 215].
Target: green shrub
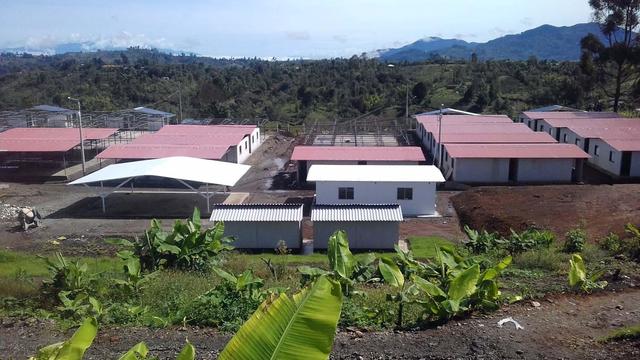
[626, 333]
[481, 241]
[611, 243]
[578, 277]
[575, 240]
[222, 307]
[186, 247]
[631, 245]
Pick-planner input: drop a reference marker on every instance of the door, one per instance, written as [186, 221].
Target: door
[513, 170]
[586, 145]
[302, 171]
[535, 125]
[625, 166]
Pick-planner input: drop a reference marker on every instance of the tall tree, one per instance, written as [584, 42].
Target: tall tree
[618, 58]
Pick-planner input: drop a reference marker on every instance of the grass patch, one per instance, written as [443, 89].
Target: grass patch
[29, 265]
[424, 247]
[626, 333]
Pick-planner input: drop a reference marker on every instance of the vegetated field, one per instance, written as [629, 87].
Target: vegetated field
[600, 209]
[566, 325]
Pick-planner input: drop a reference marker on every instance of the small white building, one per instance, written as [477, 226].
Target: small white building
[411, 186]
[261, 226]
[371, 227]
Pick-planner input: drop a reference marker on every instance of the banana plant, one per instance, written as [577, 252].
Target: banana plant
[74, 348]
[140, 351]
[186, 247]
[578, 276]
[283, 327]
[343, 265]
[393, 276]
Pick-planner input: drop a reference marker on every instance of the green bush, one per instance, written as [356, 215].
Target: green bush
[186, 247]
[611, 243]
[575, 240]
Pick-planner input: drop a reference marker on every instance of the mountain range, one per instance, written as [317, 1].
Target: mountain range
[546, 42]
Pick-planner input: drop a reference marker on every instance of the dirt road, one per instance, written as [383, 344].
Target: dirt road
[562, 327]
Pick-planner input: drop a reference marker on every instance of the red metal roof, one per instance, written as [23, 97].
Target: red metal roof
[599, 122]
[496, 128]
[624, 144]
[498, 138]
[48, 139]
[358, 153]
[608, 132]
[151, 151]
[200, 141]
[57, 133]
[195, 139]
[26, 145]
[463, 119]
[206, 129]
[515, 151]
[570, 115]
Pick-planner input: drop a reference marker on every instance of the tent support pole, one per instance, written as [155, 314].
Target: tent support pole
[103, 195]
[207, 195]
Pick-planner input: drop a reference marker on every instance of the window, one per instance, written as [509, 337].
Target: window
[529, 123]
[596, 150]
[240, 149]
[405, 193]
[345, 193]
[578, 142]
[564, 138]
[362, 163]
[611, 156]
[541, 127]
[245, 145]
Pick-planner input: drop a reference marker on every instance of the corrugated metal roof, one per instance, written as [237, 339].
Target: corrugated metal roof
[200, 141]
[375, 173]
[531, 137]
[22, 145]
[620, 133]
[257, 212]
[625, 145]
[51, 108]
[594, 122]
[157, 151]
[356, 212]
[463, 119]
[554, 108]
[515, 151]
[466, 128]
[358, 153]
[48, 139]
[569, 115]
[154, 112]
[183, 168]
[448, 111]
[45, 134]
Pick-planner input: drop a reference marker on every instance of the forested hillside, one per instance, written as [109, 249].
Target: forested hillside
[289, 91]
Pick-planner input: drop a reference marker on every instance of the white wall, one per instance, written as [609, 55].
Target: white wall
[481, 170]
[423, 203]
[545, 170]
[264, 235]
[361, 235]
[243, 150]
[602, 159]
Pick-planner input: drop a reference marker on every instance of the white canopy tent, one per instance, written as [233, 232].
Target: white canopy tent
[182, 169]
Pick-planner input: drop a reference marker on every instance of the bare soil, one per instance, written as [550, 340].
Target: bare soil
[599, 208]
[562, 327]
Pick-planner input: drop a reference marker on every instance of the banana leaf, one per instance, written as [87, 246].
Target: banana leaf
[283, 327]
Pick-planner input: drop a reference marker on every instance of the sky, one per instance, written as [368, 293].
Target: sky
[273, 28]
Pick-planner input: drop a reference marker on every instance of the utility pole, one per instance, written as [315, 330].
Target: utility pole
[81, 137]
[180, 100]
[406, 111]
[439, 149]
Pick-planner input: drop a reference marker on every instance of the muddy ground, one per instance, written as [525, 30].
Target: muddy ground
[599, 208]
[561, 327]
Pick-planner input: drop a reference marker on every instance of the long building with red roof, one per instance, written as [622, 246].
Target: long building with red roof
[494, 149]
[233, 143]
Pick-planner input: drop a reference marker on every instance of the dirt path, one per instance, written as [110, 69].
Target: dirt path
[562, 327]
